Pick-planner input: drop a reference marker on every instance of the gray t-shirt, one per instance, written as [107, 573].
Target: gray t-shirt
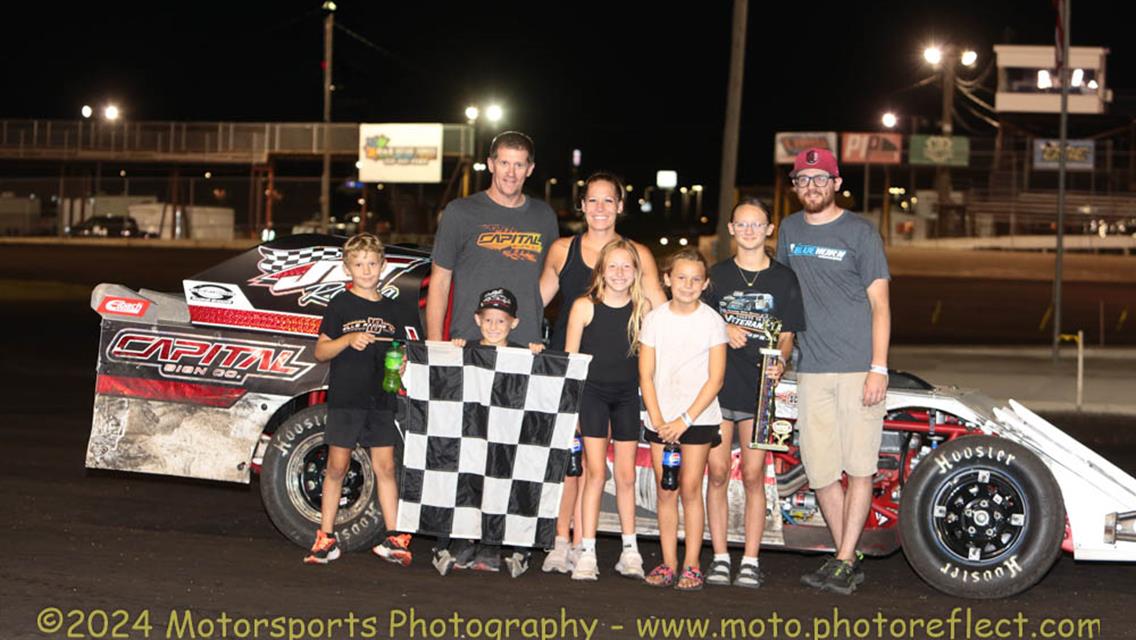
[835, 263]
[489, 246]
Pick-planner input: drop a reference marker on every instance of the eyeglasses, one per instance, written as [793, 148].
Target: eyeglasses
[750, 226]
[819, 180]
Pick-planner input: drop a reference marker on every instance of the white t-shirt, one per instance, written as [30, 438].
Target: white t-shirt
[682, 346]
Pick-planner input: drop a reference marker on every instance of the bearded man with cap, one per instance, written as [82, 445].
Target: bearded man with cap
[842, 375]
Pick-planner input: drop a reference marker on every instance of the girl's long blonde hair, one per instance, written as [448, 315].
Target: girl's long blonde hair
[639, 303]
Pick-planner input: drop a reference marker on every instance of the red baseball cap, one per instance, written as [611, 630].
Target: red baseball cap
[815, 158]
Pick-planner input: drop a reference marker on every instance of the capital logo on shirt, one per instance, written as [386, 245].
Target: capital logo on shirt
[813, 251]
[516, 245]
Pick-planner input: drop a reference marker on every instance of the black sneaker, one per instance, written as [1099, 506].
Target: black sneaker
[858, 570]
[842, 580]
[817, 578]
[488, 558]
[463, 552]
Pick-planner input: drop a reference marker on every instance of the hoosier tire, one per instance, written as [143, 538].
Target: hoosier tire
[981, 517]
[291, 484]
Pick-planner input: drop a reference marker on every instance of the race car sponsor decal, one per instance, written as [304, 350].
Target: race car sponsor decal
[211, 293]
[124, 306]
[214, 294]
[315, 274]
[786, 404]
[524, 246]
[190, 357]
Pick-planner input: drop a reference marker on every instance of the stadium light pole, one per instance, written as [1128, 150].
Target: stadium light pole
[325, 178]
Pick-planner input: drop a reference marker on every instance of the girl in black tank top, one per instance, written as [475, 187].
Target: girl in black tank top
[605, 324]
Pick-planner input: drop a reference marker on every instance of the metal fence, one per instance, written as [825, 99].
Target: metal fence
[33, 206]
[231, 142]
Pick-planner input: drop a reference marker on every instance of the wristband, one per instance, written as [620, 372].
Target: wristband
[880, 369]
[686, 419]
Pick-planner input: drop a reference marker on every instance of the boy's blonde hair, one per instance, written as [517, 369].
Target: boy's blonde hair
[639, 303]
[363, 242]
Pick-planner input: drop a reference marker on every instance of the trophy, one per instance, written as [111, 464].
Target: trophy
[769, 434]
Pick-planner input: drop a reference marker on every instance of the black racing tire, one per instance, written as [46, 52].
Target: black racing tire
[981, 517]
[291, 481]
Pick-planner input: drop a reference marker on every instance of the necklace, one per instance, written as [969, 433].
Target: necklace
[748, 282]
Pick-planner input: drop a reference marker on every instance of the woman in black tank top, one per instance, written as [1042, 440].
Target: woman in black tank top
[604, 323]
[566, 268]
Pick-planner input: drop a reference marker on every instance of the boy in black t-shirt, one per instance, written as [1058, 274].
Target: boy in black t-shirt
[359, 412]
[496, 317]
[748, 290]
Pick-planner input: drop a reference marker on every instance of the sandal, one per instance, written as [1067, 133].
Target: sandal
[661, 576]
[749, 576]
[719, 573]
[694, 578]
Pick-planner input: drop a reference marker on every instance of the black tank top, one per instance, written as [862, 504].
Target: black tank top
[605, 338]
[574, 279]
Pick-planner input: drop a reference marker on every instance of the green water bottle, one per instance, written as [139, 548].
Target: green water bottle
[392, 381]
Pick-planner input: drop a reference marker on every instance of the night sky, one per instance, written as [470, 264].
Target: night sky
[636, 89]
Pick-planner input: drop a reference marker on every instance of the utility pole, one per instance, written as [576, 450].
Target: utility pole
[1063, 74]
[943, 171]
[325, 178]
[728, 177]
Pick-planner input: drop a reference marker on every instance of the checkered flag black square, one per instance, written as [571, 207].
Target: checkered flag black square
[487, 436]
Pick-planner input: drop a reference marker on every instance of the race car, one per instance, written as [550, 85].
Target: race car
[220, 382]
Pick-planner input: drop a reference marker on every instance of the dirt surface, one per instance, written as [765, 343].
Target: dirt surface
[85, 541]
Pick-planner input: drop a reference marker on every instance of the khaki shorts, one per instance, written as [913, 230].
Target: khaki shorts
[838, 433]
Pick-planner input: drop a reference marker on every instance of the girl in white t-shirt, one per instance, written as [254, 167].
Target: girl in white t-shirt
[682, 362]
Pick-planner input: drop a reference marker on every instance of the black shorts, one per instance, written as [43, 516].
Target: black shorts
[616, 403]
[696, 434]
[349, 428]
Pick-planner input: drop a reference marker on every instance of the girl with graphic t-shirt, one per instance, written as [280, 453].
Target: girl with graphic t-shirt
[605, 324]
[682, 363]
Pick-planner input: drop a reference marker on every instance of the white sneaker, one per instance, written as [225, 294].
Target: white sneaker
[574, 556]
[587, 568]
[557, 559]
[630, 564]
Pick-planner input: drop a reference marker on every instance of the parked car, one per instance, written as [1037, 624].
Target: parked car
[219, 382]
[108, 227]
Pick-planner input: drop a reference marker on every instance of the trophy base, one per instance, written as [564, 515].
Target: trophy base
[765, 446]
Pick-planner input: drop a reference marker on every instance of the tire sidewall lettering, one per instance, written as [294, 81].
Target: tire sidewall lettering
[998, 455]
[294, 433]
[990, 574]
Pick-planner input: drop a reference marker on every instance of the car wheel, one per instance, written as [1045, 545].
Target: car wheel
[981, 517]
[291, 485]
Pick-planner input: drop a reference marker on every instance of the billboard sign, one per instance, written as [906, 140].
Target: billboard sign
[400, 153]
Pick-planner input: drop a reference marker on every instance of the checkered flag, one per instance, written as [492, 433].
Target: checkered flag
[487, 436]
[277, 260]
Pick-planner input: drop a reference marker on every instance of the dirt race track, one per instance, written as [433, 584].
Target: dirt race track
[84, 542]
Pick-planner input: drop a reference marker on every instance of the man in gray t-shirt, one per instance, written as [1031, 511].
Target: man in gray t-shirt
[842, 375]
[497, 238]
